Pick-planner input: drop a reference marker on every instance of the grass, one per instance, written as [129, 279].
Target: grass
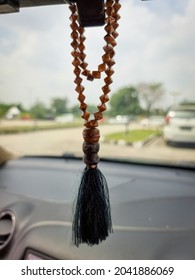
[133, 135]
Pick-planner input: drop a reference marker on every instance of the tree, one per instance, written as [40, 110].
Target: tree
[150, 93]
[59, 106]
[38, 110]
[125, 102]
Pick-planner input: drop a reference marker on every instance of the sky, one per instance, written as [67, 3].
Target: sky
[156, 43]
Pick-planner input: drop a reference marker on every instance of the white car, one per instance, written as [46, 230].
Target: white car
[180, 125]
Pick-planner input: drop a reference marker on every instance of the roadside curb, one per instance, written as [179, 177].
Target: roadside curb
[138, 144]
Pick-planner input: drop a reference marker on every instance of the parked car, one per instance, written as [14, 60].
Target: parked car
[180, 125]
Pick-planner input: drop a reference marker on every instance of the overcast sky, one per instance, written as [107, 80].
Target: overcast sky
[156, 44]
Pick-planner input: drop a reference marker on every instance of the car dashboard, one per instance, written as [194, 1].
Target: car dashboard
[153, 210]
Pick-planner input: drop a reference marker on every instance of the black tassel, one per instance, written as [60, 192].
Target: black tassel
[92, 219]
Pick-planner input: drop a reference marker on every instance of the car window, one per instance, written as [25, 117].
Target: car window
[189, 114]
[154, 71]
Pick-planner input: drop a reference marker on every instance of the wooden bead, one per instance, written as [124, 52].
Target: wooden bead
[73, 8]
[83, 106]
[89, 148]
[91, 159]
[96, 74]
[102, 67]
[80, 89]
[91, 124]
[85, 115]
[83, 65]
[106, 89]
[76, 62]
[98, 116]
[111, 63]
[77, 71]
[91, 135]
[80, 67]
[108, 80]
[81, 97]
[102, 107]
[109, 72]
[90, 77]
[78, 80]
[104, 98]
[109, 28]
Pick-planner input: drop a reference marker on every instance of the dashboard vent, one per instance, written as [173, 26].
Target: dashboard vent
[7, 227]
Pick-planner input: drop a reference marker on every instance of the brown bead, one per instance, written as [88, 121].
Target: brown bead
[89, 148]
[82, 56]
[115, 34]
[104, 98]
[96, 74]
[91, 135]
[81, 47]
[106, 89]
[109, 28]
[108, 80]
[85, 73]
[109, 72]
[80, 89]
[83, 106]
[90, 77]
[102, 67]
[77, 71]
[83, 65]
[117, 6]
[107, 48]
[102, 107]
[111, 63]
[105, 58]
[91, 159]
[76, 62]
[85, 115]
[78, 80]
[75, 53]
[115, 25]
[110, 40]
[91, 124]
[98, 116]
[72, 8]
[74, 35]
[74, 44]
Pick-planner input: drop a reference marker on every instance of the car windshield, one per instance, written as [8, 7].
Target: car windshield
[154, 71]
[188, 114]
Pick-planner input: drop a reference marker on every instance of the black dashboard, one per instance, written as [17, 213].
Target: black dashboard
[153, 210]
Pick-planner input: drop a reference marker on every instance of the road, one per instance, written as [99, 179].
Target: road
[56, 142]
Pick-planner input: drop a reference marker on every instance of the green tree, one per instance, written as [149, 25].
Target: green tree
[59, 106]
[38, 110]
[150, 94]
[125, 102]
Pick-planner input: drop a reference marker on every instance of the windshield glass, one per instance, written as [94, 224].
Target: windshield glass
[154, 70]
[188, 114]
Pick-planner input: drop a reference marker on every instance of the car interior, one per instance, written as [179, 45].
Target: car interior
[152, 204]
